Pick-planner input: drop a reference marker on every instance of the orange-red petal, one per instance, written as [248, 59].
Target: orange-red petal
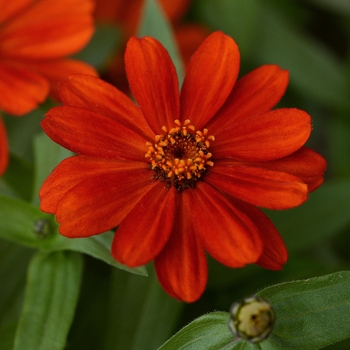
[259, 186]
[228, 234]
[305, 163]
[146, 229]
[21, 90]
[153, 82]
[4, 148]
[73, 170]
[209, 79]
[12, 8]
[65, 28]
[256, 93]
[274, 254]
[268, 136]
[93, 134]
[56, 71]
[101, 202]
[94, 94]
[182, 266]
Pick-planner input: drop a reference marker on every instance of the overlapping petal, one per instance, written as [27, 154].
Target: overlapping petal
[274, 254]
[21, 89]
[209, 79]
[98, 96]
[12, 8]
[264, 137]
[228, 234]
[56, 71]
[65, 28]
[153, 82]
[4, 148]
[182, 266]
[256, 93]
[261, 187]
[305, 163]
[101, 202]
[73, 170]
[92, 134]
[141, 235]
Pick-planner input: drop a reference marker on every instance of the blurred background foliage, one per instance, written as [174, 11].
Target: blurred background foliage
[119, 310]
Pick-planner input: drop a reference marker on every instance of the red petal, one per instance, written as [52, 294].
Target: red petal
[274, 254]
[21, 90]
[71, 171]
[268, 136]
[144, 232]
[210, 77]
[153, 82]
[182, 266]
[101, 202]
[65, 29]
[4, 148]
[59, 70]
[98, 96]
[92, 134]
[12, 8]
[306, 164]
[258, 186]
[228, 234]
[255, 93]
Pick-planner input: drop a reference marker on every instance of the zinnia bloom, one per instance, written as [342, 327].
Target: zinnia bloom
[182, 174]
[35, 38]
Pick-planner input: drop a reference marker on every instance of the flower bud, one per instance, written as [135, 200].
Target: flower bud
[252, 319]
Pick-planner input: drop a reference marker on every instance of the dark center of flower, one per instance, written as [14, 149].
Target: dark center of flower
[180, 156]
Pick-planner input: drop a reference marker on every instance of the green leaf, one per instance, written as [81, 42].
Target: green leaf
[150, 320]
[98, 246]
[322, 216]
[14, 260]
[18, 223]
[154, 23]
[51, 295]
[47, 156]
[208, 332]
[311, 313]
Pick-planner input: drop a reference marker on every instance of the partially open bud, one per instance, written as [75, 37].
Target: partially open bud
[252, 319]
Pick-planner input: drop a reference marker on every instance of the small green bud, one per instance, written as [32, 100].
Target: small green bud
[42, 228]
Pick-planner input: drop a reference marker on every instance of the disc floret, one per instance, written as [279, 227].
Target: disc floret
[180, 156]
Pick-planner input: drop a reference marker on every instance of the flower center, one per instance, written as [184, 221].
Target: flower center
[180, 156]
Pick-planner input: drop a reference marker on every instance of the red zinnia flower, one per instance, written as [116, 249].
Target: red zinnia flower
[35, 38]
[181, 174]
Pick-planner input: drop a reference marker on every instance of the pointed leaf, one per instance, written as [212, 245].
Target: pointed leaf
[51, 295]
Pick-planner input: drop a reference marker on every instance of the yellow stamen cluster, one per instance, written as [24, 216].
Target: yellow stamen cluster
[180, 155]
